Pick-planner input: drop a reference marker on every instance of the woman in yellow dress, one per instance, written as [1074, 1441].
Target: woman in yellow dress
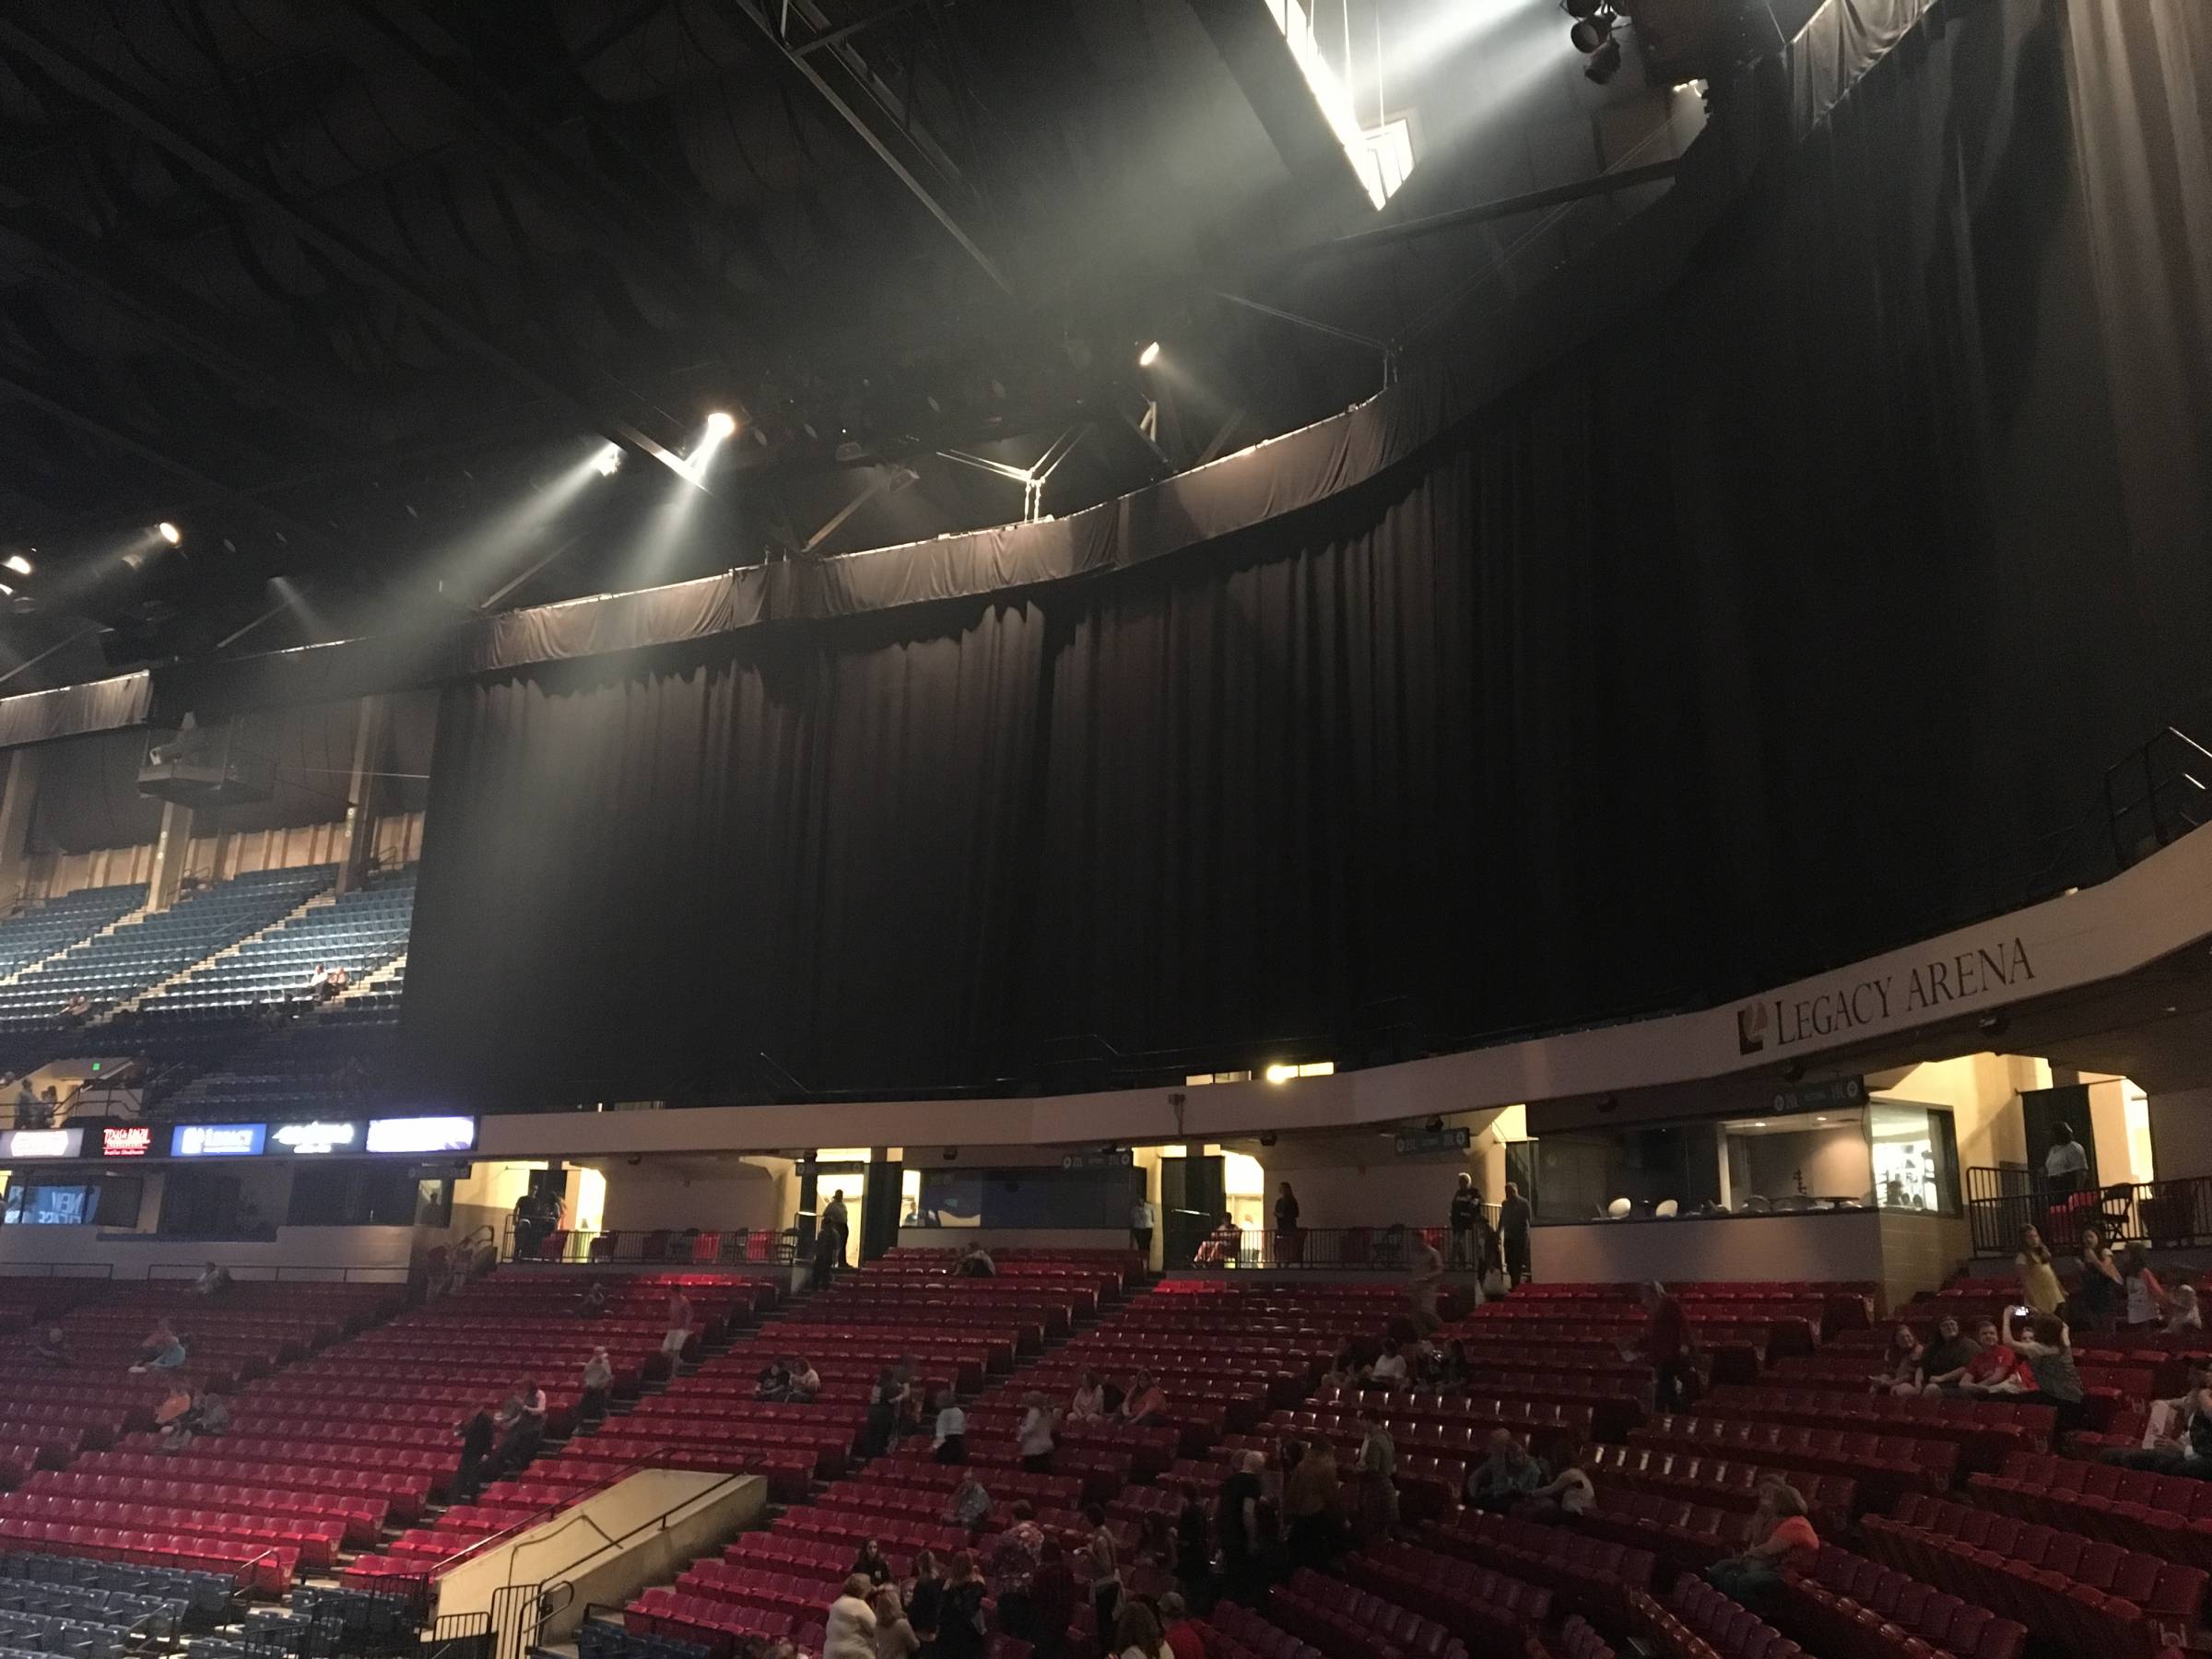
[2039, 1288]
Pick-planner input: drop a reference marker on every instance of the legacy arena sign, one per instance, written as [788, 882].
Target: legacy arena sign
[1927, 989]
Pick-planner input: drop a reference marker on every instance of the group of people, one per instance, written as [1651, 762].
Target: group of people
[498, 1441]
[2110, 1292]
[2026, 1353]
[792, 1381]
[36, 1109]
[186, 1412]
[1497, 1254]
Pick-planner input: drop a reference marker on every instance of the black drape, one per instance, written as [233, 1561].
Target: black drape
[646, 880]
[1749, 636]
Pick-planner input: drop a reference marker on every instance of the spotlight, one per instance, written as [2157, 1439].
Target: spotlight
[720, 425]
[1580, 9]
[1280, 1073]
[1268, 1138]
[18, 564]
[1604, 64]
[169, 533]
[608, 461]
[1148, 355]
[1592, 32]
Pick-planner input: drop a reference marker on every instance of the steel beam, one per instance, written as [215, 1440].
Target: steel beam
[520, 364]
[845, 83]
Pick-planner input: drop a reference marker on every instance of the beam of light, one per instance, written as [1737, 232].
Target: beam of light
[169, 533]
[1330, 92]
[318, 626]
[1148, 355]
[608, 462]
[693, 469]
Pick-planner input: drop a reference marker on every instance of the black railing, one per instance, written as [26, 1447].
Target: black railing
[689, 1247]
[2167, 1213]
[1351, 1249]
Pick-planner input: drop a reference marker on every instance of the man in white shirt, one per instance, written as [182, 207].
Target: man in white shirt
[951, 1438]
[2066, 1165]
[1143, 1218]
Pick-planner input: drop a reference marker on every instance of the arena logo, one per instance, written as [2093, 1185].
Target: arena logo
[1925, 987]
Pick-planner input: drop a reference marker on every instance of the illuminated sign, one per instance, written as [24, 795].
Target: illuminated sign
[131, 1140]
[310, 1140]
[217, 1140]
[41, 1143]
[422, 1134]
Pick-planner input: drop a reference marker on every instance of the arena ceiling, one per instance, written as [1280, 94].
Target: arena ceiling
[355, 292]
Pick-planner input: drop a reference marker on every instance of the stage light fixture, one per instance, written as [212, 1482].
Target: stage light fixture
[1591, 33]
[1580, 9]
[1148, 355]
[720, 425]
[18, 564]
[608, 461]
[169, 533]
[1604, 64]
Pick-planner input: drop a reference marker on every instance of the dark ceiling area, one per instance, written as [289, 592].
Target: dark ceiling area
[354, 292]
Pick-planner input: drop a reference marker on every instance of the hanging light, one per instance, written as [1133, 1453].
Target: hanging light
[1592, 33]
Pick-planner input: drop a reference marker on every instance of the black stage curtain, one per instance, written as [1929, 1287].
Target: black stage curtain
[1729, 645]
[648, 880]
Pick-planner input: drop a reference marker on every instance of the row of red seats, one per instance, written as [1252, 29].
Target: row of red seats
[1725, 1483]
[1846, 1607]
[1725, 1627]
[2168, 1515]
[1594, 1574]
[2093, 1597]
[1468, 1600]
[1885, 1466]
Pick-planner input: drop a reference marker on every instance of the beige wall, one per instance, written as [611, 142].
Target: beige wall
[714, 1195]
[379, 1253]
[2181, 1133]
[1416, 1191]
[1843, 1245]
[1920, 1252]
[1982, 1093]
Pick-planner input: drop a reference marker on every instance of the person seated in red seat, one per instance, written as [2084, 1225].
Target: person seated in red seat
[2179, 1438]
[173, 1417]
[772, 1382]
[1503, 1478]
[1943, 1363]
[1389, 1371]
[806, 1382]
[1146, 1403]
[1668, 1348]
[1088, 1402]
[2182, 1314]
[592, 1302]
[53, 1350]
[598, 1384]
[1566, 1497]
[1183, 1638]
[1982, 1366]
[163, 1349]
[1343, 1373]
[1901, 1365]
[1997, 1368]
[871, 1563]
[975, 1263]
[1781, 1536]
[970, 1503]
[213, 1414]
